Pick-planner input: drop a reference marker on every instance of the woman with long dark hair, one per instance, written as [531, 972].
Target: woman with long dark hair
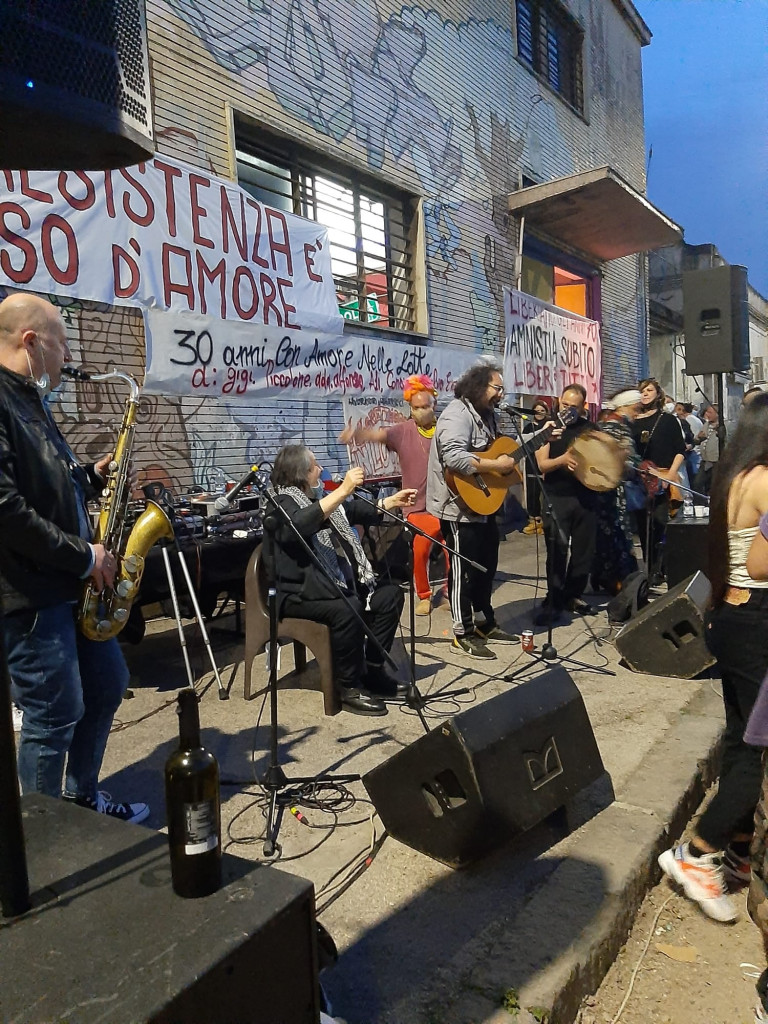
[737, 634]
[658, 440]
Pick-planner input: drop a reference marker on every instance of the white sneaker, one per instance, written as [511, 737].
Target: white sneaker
[701, 879]
[18, 717]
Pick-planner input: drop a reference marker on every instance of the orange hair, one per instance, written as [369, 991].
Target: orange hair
[418, 382]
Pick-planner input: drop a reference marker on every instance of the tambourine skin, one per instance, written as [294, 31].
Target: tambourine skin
[600, 460]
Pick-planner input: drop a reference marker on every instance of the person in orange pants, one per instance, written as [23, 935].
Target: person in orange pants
[411, 440]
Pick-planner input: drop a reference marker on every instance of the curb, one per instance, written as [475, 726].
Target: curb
[608, 866]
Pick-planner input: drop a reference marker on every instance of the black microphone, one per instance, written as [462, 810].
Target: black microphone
[516, 410]
[337, 478]
[252, 476]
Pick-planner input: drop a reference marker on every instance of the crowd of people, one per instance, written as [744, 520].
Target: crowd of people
[69, 687]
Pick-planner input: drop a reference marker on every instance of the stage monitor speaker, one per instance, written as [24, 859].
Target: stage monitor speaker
[489, 773]
[74, 85]
[667, 637]
[686, 549]
[716, 320]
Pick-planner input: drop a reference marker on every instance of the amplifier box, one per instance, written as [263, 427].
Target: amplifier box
[135, 952]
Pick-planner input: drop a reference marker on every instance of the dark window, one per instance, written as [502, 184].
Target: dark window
[550, 42]
[370, 228]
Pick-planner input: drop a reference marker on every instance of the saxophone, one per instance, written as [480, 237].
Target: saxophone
[101, 615]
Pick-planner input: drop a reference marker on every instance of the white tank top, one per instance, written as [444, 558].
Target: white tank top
[739, 543]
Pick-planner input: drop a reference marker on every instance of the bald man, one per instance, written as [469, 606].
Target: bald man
[570, 518]
[68, 687]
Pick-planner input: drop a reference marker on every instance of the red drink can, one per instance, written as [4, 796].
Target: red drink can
[526, 640]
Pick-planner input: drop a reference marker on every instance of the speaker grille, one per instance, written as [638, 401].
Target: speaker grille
[93, 50]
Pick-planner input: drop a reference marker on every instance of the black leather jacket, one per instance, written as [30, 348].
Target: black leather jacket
[42, 556]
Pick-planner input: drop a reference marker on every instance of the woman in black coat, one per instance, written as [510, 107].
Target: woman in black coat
[312, 588]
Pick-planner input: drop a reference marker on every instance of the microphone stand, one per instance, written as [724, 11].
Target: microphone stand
[275, 780]
[414, 699]
[548, 651]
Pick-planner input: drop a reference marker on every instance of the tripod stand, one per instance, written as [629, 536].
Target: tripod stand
[552, 535]
[414, 699]
[275, 780]
[164, 544]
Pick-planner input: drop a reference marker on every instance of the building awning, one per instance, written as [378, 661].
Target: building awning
[596, 212]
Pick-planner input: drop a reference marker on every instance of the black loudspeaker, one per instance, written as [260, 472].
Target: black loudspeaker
[716, 320]
[74, 84]
[686, 549]
[107, 939]
[630, 599]
[489, 773]
[667, 637]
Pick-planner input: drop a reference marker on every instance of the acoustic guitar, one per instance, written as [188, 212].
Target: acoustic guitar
[484, 493]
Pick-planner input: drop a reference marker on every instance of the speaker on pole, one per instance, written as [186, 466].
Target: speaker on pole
[667, 637]
[716, 320]
[74, 85]
[489, 773]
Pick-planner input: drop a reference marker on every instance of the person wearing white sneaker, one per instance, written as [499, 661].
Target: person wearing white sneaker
[701, 878]
[67, 686]
[737, 634]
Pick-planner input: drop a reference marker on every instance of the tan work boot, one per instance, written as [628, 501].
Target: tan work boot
[424, 607]
[531, 527]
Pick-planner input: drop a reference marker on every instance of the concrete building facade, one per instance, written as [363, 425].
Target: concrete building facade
[419, 122]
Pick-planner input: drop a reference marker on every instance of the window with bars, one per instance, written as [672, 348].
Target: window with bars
[369, 227]
[550, 42]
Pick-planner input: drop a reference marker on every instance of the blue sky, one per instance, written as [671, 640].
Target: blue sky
[705, 74]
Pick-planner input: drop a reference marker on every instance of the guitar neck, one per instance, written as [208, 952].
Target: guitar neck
[536, 442]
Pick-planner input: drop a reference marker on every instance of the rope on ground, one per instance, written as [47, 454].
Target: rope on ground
[639, 963]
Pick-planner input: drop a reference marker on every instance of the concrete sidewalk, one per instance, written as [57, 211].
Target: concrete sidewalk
[536, 923]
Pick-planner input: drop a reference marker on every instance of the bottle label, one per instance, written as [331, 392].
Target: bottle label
[200, 833]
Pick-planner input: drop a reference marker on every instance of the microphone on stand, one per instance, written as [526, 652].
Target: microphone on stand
[252, 476]
[516, 410]
[337, 478]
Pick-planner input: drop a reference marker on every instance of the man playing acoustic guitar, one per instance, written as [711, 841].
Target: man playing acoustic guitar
[464, 429]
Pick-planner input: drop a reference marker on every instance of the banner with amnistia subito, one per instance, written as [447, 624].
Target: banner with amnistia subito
[547, 348]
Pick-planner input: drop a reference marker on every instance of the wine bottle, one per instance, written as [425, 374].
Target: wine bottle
[192, 807]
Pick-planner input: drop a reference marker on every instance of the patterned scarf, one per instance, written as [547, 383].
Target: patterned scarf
[322, 542]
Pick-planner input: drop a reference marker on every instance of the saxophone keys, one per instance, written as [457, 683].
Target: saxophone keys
[120, 614]
[125, 588]
[131, 564]
[103, 627]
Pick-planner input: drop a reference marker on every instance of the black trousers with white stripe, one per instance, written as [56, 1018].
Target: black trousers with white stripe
[469, 589]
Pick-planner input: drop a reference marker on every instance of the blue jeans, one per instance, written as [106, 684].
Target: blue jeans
[69, 688]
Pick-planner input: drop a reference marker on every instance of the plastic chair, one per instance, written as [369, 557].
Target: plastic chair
[303, 632]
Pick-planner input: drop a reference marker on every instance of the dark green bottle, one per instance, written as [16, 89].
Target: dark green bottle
[193, 807]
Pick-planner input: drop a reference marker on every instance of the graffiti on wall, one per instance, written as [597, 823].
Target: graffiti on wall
[379, 83]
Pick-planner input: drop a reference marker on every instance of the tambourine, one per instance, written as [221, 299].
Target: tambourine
[600, 460]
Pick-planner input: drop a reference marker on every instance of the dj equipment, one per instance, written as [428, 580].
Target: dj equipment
[489, 773]
[686, 549]
[601, 460]
[168, 961]
[667, 637]
[716, 320]
[74, 85]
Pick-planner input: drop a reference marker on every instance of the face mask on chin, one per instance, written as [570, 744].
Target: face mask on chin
[318, 491]
[43, 383]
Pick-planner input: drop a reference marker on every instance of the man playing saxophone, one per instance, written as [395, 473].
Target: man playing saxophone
[67, 686]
